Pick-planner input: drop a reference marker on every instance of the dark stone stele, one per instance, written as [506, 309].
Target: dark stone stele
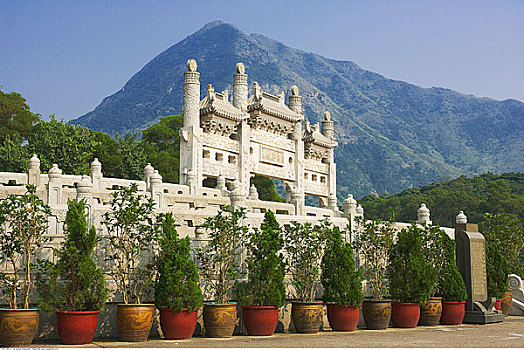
[471, 262]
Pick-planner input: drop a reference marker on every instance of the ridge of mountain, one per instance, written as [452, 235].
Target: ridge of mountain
[392, 134]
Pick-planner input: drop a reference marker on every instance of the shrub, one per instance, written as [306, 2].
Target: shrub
[411, 277]
[450, 281]
[74, 282]
[131, 236]
[304, 244]
[23, 221]
[219, 265]
[373, 241]
[433, 249]
[265, 265]
[342, 283]
[497, 271]
[177, 282]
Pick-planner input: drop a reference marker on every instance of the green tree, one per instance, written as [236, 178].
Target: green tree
[14, 157]
[133, 156]
[74, 282]
[108, 154]
[177, 282]
[265, 265]
[266, 189]
[16, 118]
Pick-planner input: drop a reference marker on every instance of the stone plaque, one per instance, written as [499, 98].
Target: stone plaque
[478, 269]
[271, 156]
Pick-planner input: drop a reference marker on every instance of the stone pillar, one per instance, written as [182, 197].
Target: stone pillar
[253, 193]
[84, 191]
[54, 187]
[192, 181]
[328, 129]
[221, 185]
[240, 88]
[471, 262]
[360, 211]
[423, 215]
[156, 190]
[190, 141]
[34, 171]
[350, 210]
[296, 195]
[96, 174]
[236, 196]
[332, 202]
[148, 171]
[297, 199]
[295, 100]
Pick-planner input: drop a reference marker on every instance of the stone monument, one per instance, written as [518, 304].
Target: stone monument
[471, 261]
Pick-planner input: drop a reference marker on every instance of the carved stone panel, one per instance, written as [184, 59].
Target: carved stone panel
[478, 269]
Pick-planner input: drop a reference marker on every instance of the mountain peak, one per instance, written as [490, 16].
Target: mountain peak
[214, 24]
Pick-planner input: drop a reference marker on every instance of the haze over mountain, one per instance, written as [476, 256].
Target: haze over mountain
[391, 134]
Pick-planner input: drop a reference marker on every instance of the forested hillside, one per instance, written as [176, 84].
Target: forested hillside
[487, 193]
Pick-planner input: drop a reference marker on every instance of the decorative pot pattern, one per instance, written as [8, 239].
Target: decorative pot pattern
[220, 320]
[76, 327]
[18, 327]
[134, 321]
[505, 303]
[430, 312]
[376, 313]
[307, 317]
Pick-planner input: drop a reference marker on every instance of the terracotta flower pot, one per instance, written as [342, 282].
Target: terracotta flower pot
[376, 313]
[430, 312]
[505, 303]
[343, 318]
[405, 315]
[307, 317]
[76, 327]
[260, 320]
[220, 319]
[497, 304]
[178, 325]
[453, 312]
[134, 321]
[18, 326]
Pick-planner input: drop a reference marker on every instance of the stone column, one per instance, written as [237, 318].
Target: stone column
[34, 171]
[190, 140]
[221, 185]
[236, 196]
[54, 187]
[360, 211]
[332, 202]
[240, 88]
[350, 210]
[157, 193]
[423, 215]
[96, 174]
[148, 171]
[84, 191]
[253, 193]
[296, 195]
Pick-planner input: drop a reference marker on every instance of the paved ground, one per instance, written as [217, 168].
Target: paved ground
[507, 334]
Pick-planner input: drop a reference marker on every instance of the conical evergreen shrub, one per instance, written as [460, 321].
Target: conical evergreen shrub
[497, 271]
[451, 286]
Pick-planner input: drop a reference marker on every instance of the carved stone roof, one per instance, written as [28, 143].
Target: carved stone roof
[313, 135]
[217, 103]
[271, 104]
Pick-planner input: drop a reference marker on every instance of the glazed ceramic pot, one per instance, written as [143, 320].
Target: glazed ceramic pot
[505, 303]
[18, 326]
[453, 312]
[220, 319]
[178, 325]
[343, 318]
[376, 313]
[134, 321]
[260, 320]
[307, 317]
[405, 315]
[430, 312]
[76, 327]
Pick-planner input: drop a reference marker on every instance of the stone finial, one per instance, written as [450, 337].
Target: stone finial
[148, 170]
[360, 211]
[191, 65]
[155, 178]
[34, 162]
[256, 91]
[350, 205]
[96, 166]
[294, 90]
[332, 202]
[241, 69]
[55, 171]
[253, 193]
[423, 215]
[221, 182]
[85, 185]
[327, 116]
[461, 218]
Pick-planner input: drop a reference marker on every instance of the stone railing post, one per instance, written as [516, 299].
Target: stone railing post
[54, 188]
[423, 215]
[157, 193]
[96, 174]
[34, 171]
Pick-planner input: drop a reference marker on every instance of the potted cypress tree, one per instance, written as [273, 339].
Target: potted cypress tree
[177, 290]
[130, 253]
[23, 221]
[74, 286]
[497, 271]
[304, 244]
[373, 241]
[451, 287]
[433, 250]
[219, 268]
[411, 278]
[264, 291]
[342, 283]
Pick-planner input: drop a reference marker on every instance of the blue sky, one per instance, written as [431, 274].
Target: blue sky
[65, 56]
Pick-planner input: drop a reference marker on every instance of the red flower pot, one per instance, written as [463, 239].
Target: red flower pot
[343, 318]
[76, 327]
[498, 305]
[178, 325]
[260, 320]
[453, 312]
[405, 315]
